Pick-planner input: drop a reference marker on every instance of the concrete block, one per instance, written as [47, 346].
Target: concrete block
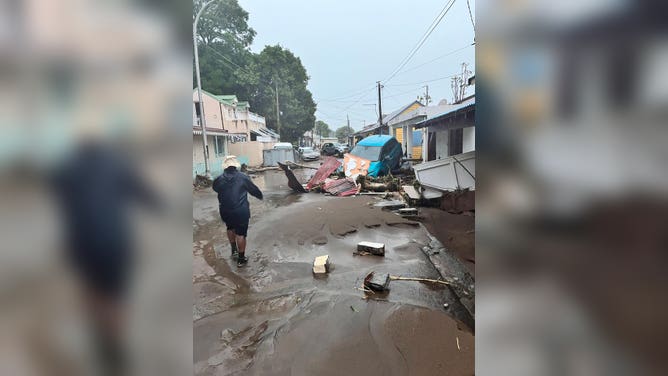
[321, 265]
[371, 247]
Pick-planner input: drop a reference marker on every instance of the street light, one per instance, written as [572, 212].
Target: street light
[207, 171]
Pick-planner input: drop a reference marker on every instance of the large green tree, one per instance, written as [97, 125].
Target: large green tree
[223, 21]
[322, 128]
[273, 70]
[343, 133]
[229, 67]
[224, 38]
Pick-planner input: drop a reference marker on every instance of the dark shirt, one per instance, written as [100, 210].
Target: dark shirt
[96, 188]
[232, 188]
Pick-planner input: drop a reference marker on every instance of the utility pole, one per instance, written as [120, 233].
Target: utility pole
[380, 109]
[426, 97]
[465, 79]
[278, 112]
[207, 170]
[459, 83]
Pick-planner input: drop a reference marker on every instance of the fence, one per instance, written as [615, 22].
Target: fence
[273, 156]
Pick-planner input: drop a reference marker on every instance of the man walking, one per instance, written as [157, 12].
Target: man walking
[233, 187]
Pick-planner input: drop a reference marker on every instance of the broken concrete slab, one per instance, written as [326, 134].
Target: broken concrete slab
[451, 269]
[411, 192]
[391, 204]
[377, 249]
[321, 265]
[408, 211]
[377, 282]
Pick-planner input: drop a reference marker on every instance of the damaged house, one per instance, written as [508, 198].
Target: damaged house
[232, 129]
[449, 149]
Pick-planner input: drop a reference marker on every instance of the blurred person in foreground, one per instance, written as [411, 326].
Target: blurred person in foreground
[96, 187]
[233, 187]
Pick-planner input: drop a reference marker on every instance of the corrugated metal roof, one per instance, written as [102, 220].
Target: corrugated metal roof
[451, 111]
[386, 119]
[265, 132]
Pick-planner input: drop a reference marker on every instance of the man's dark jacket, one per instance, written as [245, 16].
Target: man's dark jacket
[232, 187]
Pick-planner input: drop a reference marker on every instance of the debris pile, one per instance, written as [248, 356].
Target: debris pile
[202, 181]
[327, 168]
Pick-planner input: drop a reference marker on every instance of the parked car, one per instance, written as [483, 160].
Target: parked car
[342, 148]
[329, 148]
[383, 152]
[283, 145]
[308, 154]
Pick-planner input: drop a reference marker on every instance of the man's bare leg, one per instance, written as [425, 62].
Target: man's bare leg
[232, 237]
[241, 243]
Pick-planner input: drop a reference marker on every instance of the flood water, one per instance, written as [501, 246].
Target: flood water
[275, 317]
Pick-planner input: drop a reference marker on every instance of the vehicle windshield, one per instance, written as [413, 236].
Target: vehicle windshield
[371, 153]
[306, 150]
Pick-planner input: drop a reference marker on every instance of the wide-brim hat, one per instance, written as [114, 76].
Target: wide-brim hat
[231, 161]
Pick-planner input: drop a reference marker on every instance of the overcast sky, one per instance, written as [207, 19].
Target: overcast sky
[346, 46]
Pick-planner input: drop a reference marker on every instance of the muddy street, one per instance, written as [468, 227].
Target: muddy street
[274, 317]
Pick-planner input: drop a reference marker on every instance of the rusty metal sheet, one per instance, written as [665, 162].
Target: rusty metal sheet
[341, 187]
[329, 165]
[292, 179]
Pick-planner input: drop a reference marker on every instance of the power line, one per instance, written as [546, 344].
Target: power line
[434, 59]
[338, 99]
[427, 81]
[354, 103]
[468, 4]
[422, 40]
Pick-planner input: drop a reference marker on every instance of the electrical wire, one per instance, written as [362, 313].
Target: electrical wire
[432, 60]
[422, 40]
[468, 4]
[424, 82]
[355, 93]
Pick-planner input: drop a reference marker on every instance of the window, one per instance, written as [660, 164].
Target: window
[455, 141]
[198, 113]
[371, 153]
[219, 145]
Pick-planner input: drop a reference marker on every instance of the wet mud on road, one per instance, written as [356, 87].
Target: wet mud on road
[273, 317]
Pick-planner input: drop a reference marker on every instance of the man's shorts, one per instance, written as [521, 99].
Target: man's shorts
[236, 221]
